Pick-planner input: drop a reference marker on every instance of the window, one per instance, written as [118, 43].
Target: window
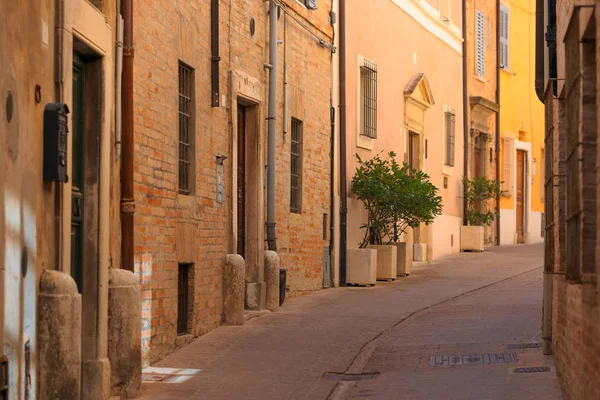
[368, 99]
[184, 295]
[580, 112]
[296, 167]
[504, 27]
[450, 130]
[186, 128]
[509, 150]
[479, 45]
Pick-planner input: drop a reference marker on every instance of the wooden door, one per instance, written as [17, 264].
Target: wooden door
[241, 179]
[77, 174]
[478, 159]
[413, 151]
[520, 195]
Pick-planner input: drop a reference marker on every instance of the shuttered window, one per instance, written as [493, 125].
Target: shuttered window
[450, 136]
[480, 45]
[504, 26]
[509, 150]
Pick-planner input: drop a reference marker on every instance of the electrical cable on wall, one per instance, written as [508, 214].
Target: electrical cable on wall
[286, 9]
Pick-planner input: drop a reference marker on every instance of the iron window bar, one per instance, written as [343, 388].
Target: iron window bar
[186, 87]
[296, 167]
[369, 97]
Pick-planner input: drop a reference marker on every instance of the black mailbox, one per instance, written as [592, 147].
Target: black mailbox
[55, 142]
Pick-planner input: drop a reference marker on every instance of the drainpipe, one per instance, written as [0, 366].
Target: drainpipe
[540, 68]
[331, 188]
[285, 82]
[272, 118]
[465, 109]
[118, 82]
[59, 95]
[127, 195]
[343, 188]
[215, 58]
[498, 119]
[539, 49]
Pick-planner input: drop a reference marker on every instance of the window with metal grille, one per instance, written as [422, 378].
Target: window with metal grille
[296, 167]
[480, 45]
[450, 129]
[186, 128]
[368, 99]
[183, 298]
[504, 29]
[580, 112]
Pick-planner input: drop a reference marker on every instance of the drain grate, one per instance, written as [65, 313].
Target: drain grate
[530, 370]
[523, 346]
[338, 376]
[473, 359]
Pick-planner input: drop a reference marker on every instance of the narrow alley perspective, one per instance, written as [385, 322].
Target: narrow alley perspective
[464, 327]
[299, 199]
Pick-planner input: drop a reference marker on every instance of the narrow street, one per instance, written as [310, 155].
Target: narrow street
[394, 340]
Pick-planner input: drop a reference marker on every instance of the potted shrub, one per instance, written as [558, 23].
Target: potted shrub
[395, 198]
[478, 192]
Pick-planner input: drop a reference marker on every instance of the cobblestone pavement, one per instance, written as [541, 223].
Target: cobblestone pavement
[472, 304]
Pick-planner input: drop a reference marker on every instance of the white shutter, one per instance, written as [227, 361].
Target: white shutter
[480, 45]
[504, 29]
[507, 186]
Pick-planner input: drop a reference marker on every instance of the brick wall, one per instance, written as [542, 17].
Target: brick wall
[575, 314]
[169, 32]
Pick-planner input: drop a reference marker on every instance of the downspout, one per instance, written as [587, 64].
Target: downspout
[332, 156]
[498, 119]
[59, 96]
[215, 58]
[127, 195]
[540, 70]
[118, 84]
[465, 109]
[272, 124]
[343, 188]
[285, 82]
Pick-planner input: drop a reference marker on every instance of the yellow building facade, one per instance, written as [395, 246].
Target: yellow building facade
[521, 127]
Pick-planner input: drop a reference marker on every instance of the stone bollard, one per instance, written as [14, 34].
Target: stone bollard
[234, 282]
[59, 337]
[272, 266]
[124, 333]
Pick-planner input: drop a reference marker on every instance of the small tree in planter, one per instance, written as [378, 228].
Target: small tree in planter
[478, 191]
[395, 198]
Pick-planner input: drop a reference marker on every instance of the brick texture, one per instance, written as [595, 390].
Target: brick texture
[571, 128]
[164, 34]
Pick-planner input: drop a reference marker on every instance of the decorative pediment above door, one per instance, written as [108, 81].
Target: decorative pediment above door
[418, 98]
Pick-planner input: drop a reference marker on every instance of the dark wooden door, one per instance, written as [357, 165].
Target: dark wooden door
[241, 179]
[520, 195]
[413, 151]
[478, 158]
[77, 173]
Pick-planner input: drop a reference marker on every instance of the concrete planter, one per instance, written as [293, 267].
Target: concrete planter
[386, 261]
[361, 267]
[404, 257]
[471, 238]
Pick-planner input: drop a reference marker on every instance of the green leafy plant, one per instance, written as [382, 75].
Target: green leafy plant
[478, 192]
[395, 198]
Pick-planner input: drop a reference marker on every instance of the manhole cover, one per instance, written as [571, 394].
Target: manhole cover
[530, 370]
[523, 346]
[337, 376]
[473, 359]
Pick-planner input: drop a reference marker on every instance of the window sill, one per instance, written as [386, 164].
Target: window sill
[364, 142]
[480, 78]
[447, 170]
